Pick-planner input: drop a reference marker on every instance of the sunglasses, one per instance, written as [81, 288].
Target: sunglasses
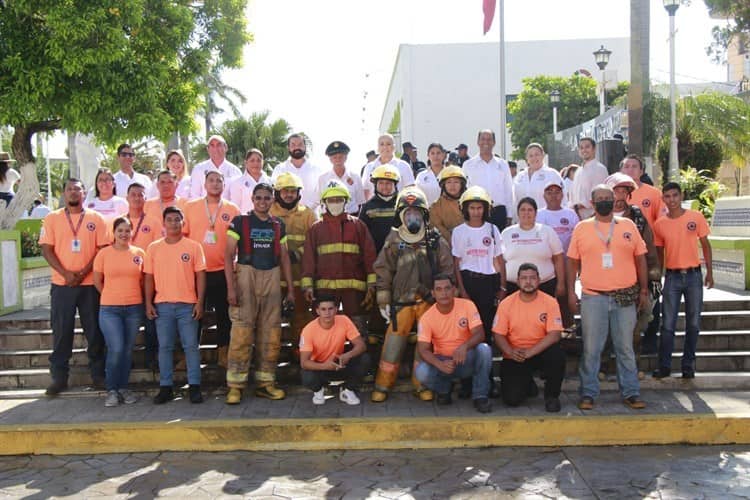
[128, 155]
[262, 198]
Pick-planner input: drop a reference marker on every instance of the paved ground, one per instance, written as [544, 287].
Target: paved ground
[611, 472]
[298, 405]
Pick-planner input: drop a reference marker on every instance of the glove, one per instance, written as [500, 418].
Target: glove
[385, 312]
[655, 289]
[369, 300]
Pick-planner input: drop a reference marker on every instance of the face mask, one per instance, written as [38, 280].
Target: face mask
[335, 209]
[604, 207]
[297, 154]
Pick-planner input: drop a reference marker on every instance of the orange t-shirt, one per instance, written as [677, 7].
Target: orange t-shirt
[649, 200]
[122, 270]
[174, 266]
[324, 343]
[145, 231]
[197, 229]
[92, 234]
[597, 272]
[524, 324]
[448, 331]
[155, 208]
[679, 237]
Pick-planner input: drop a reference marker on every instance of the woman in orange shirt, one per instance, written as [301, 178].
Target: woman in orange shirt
[118, 275]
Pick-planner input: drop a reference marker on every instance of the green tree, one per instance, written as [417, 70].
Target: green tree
[217, 91]
[119, 69]
[532, 111]
[737, 13]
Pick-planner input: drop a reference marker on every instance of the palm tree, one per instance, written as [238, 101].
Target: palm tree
[217, 91]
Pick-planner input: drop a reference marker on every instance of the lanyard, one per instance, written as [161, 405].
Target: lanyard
[137, 228]
[70, 222]
[212, 219]
[608, 239]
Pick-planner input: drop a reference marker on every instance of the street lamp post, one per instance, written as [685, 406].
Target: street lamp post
[601, 57]
[554, 98]
[674, 164]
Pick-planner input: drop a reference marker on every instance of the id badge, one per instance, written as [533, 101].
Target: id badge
[75, 246]
[210, 238]
[607, 261]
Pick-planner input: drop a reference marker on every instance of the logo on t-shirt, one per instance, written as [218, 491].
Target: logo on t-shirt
[486, 241]
[138, 260]
[146, 229]
[543, 317]
[515, 236]
[92, 204]
[564, 221]
[463, 323]
[225, 217]
[691, 226]
[91, 226]
[185, 257]
[646, 203]
[628, 236]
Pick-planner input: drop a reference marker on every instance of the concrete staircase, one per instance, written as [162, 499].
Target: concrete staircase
[26, 342]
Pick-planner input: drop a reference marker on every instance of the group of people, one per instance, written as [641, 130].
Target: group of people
[472, 257]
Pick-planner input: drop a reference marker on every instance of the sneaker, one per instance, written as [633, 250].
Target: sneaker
[482, 405]
[112, 399]
[165, 395]
[634, 403]
[660, 373]
[270, 391]
[127, 397]
[586, 403]
[444, 399]
[349, 397]
[319, 397]
[234, 396]
[552, 405]
[56, 387]
[194, 393]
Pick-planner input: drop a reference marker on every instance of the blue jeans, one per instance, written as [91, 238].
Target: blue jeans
[119, 325]
[676, 285]
[477, 365]
[600, 316]
[177, 318]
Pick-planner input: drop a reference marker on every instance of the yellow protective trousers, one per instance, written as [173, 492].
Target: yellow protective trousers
[256, 320]
[394, 345]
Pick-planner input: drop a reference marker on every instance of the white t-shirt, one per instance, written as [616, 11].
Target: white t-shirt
[39, 212]
[561, 221]
[241, 190]
[123, 182]
[567, 188]
[477, 247]
[11, 177]
[353, 184]
[183, 189]
[494, 176]
[533, 187]
[404, 170]
[109, 209]
[587, 177]
[198, 176]
[535, 246]
[309, 174]
[427, 181]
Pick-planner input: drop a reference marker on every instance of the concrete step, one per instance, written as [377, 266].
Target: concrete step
[41, 338]
[719, 320]
[718, 340]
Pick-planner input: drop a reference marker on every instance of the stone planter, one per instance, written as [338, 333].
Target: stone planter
[11, 298]
[36, 276]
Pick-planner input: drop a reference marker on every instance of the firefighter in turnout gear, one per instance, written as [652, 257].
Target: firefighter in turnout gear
[297, 220]
[338, 257]
[445, 213]
[413, 253]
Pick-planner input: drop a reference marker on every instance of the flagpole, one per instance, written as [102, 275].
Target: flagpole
[503, 126]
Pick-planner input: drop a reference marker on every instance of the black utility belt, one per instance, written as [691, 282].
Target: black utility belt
[696, 269]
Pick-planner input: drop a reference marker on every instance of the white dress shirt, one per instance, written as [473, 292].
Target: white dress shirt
[309, 174]
[427, 181]
[241, 190]
[123, 182]
[533, 187]
[352, 182]
[404, 170]
[494, 176]
[587, 177]
[198, 176]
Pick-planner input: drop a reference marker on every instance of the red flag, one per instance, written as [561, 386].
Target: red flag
[488, 6]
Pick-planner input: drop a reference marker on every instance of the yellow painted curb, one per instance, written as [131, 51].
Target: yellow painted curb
[371, 433]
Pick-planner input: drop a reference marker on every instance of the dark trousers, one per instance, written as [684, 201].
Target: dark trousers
[516, 377]
[65, 300]
[547, 287]
[216, 299]
[482, 289]
[352, 374]
[649, 336]
[6, 197]
[499, 216]
[151, 343]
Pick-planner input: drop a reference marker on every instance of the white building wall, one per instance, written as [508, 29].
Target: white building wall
[450, 91]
